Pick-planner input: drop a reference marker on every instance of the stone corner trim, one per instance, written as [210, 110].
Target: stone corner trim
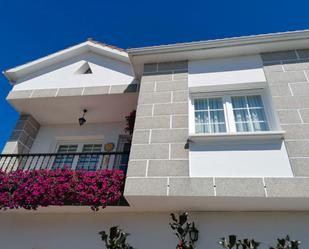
[159, 145]
[23, 135]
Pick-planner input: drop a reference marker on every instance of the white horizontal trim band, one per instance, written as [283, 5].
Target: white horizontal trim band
[236, 136]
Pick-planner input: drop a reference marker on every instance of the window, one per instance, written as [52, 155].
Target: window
[122, 160]
[88, 161]
[80, 162]
[209, 115]
[64, 161]
[229, 113]
[249, 113]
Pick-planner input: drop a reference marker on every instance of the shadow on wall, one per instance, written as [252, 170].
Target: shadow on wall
[132, 87]
[226, 64]
[237, 146]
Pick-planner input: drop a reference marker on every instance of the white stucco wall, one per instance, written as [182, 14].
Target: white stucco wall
[229, 72]
[236, 158]
[239, 159]
[50, 135]
[105, 71]
[148, 230]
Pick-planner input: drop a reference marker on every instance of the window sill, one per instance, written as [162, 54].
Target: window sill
[266, 135]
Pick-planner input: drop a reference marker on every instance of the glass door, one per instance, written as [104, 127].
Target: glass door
[65, 160]
[88, 161]
[122, 160]
[123, 165]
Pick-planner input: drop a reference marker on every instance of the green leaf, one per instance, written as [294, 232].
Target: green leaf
[232, 240]
[174, 217]
[183, 218]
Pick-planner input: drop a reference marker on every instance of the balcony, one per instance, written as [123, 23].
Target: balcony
[71, 180]
[75, 161]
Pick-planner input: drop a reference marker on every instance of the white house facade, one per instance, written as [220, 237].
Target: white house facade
[221, 131]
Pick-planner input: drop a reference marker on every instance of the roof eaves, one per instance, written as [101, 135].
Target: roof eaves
[106, 45]
[53, 54]
[10, 73]
[216, 43]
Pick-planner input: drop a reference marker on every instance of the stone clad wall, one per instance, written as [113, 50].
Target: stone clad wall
[159, 146]
[287, 75]
[159, 165]
[23, 135]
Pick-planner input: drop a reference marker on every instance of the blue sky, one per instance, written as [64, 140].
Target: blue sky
[31, 29]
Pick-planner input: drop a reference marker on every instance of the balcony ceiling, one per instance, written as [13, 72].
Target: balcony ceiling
[67, 110]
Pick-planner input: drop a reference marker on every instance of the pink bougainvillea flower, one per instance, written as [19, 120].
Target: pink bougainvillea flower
[41, 188]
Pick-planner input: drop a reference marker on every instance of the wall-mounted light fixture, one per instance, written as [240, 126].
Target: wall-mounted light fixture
[82, 119]
[193, 233]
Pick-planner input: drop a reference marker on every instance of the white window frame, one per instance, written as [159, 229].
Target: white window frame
[80, 144]
[228, 109]
[122, 140]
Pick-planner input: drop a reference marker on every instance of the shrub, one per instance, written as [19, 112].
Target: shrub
[186, 232]
[232, 242]
[116, 239]
[286, 243]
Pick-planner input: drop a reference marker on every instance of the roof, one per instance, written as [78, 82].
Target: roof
[234, 46]
[298, 34]
[106, 45]
[88, 46]
[226, 47]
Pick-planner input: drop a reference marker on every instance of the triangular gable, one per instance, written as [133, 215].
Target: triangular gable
[95, 47]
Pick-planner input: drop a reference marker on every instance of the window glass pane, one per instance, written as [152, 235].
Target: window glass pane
[239, 102]
[201, 117]
[124, 158]
[89, 162]
[92, 148]
[260, 126]
[216, 128]
[249, 113]
[241, 115]
[67, 148]
[217, 116]
[257, 115]
[255, 101]
[209, 115]
[126, 147]
[64, 161]
[202, 128]
[215, 103]
[200, 104]
[243, 127]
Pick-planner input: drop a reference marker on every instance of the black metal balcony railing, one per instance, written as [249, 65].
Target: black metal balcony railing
[76, 161]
